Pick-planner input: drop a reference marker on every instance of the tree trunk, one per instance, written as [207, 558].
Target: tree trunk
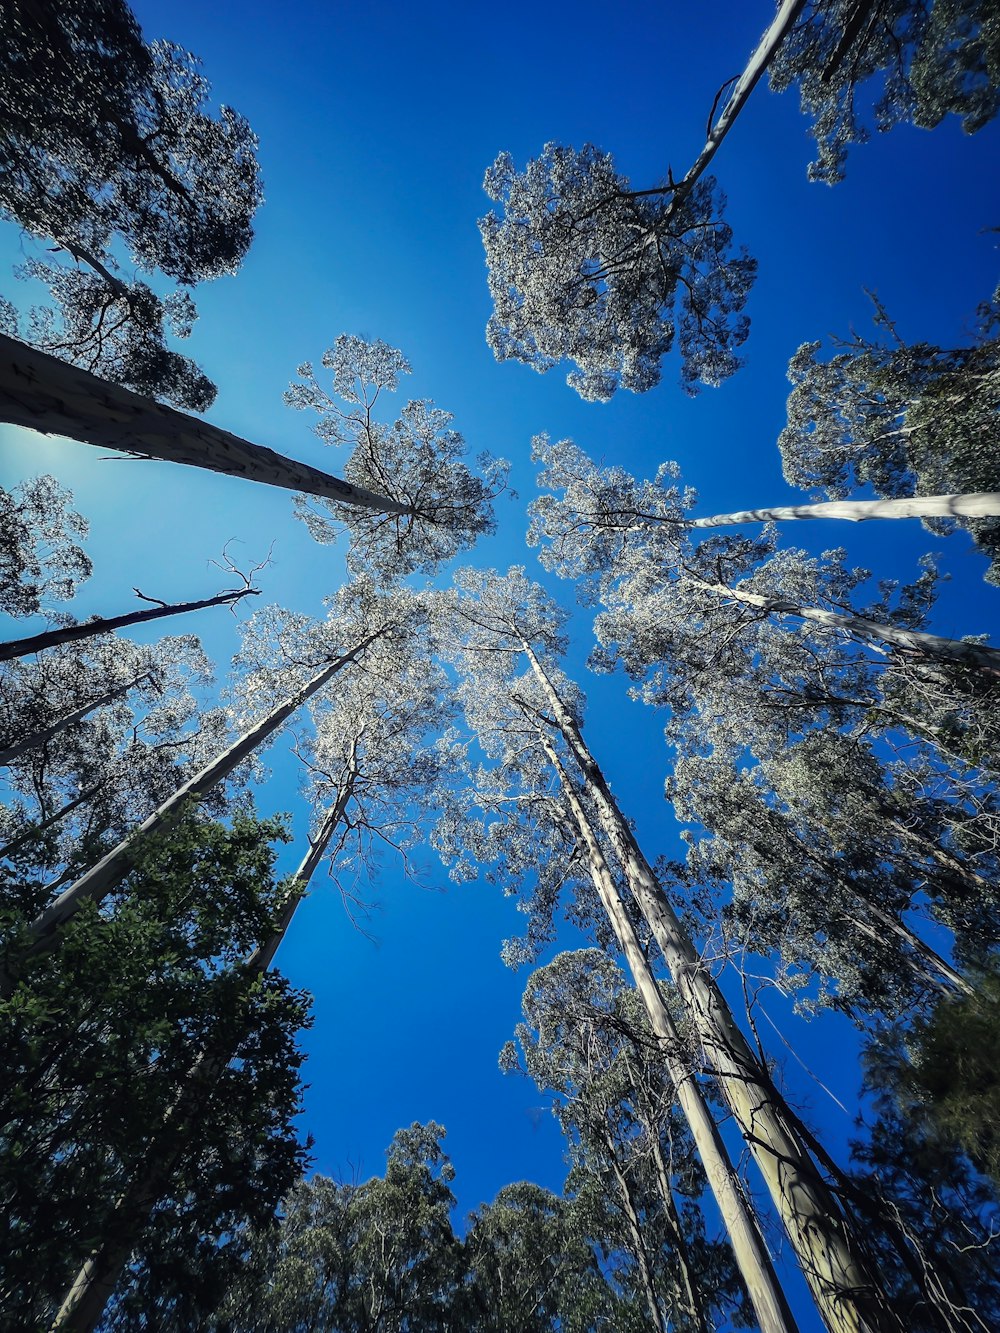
[47, 395]
[103, 877]
[928, 646]
[822, 1236]
[100, 1274]
[980, 504]
[767, 47]
[690, 1293]
[48, 821]
[752, 1257]
[37, 738]
[637, 1246]
[88, 628]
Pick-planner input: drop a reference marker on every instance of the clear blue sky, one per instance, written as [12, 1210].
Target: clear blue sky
[376, 125]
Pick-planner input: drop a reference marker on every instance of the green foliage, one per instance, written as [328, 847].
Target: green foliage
[142, 1051]
[107, 142]
[897, 60]
[904, 418]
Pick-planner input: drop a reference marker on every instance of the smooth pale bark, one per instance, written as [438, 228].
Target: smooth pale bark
[100, 1274]
[978, 504]
[38, 738]
[749, 1249]
[47, 395]
[847, 1294]
[109, 872]
[767, 47]
[933, 647]
[48, 821]
[88, 628]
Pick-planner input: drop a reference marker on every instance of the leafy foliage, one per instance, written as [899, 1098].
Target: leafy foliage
[586, 269]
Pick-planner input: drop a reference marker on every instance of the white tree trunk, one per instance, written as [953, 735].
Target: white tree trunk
[103, 877]
[749, 1249]
[846, 1293]
[977, 504]
[933, 647]
[44, 394]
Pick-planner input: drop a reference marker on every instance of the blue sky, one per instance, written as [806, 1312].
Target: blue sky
[376, 125]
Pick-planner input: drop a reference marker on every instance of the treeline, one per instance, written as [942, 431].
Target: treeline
[834, 764]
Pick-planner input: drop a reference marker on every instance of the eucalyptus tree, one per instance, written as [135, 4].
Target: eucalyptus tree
[582, 267]
[428, 503]
[930, 1115]
[812, 848]
[360, 619]
[532, 1266]
[586, 1043]
[908, 419]
[108, 143]
[440, 507]
[100, 1050]
[117, 720]
[381, 1254]
[41, 559]
[73, 633]
[923, 59]
[509, 621]
[629, 540]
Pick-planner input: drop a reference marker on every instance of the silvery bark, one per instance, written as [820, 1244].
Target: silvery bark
[749, 1249]
[846, 1292]
[38, 738]
[977, 504]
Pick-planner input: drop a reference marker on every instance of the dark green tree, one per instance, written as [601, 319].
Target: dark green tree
[107, 146]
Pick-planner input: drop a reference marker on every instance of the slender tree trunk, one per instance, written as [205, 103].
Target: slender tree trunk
[929, 646]
[101, 1272]
[829, 1252]
[109, 872]
[980, 504]
[37, 738]
[756, 66]
[48, 821]
[752, 1257]
[47, 395]
[636, 1245]
[88, 628]
[690, 1294]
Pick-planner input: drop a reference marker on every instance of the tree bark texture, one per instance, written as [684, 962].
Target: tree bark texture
[44, 394]
[829, 1252]
[978, 504]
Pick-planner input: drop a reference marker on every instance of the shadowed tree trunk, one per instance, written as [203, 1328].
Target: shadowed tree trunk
[100, 1274]
[88, 628]
[44, 394]
[48, 821]
[37, 738]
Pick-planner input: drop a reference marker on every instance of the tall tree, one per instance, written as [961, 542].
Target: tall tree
[582, 267]
[377, 621]
[99, 1050]
[511, 620]
[40, 555]
[925, 59]
[908, 419]
[426, 482]
[587, 1044]
[108, 142]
